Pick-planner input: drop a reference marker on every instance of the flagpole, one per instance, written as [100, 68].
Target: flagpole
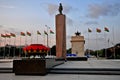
[20, 45]
[4, 48]
[51, 46]
[26, 39]
[97, 31]
[0, 43]
[31, 36]
[14, 47]
[108, 42]
[31, 39]
[47, 35]
[88, 44]
[37, 38]
[105, 45]
[96, 44]
[88, 40]
[47, 41]
[114, 43]
[9, 44]
[44, 39]
[25, 42]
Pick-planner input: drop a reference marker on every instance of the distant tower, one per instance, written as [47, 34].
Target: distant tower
[78, 42]
[60, 34]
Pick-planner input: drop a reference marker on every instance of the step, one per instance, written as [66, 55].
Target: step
[6, 70]
[84, 71]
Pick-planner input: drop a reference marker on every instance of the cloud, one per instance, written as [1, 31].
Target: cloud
[53, 8]
[98, 10]
[9, 30]
[1, 26]
[14, 30]
[7, 6]
[67, 9]
[69, 21]
[92, 23]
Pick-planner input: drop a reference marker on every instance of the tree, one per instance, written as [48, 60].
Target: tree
[69, 51]
[53, 50]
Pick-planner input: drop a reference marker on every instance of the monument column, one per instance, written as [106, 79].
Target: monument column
[60, 34]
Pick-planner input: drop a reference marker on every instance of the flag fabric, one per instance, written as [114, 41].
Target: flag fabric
[22, 34]
[38, 33]
[89, 30]
[98, 30]
[45, 33]
[12, 34]
[8, 35]
[2, 35]
[51, 32]
[28, 33]
[106, 29]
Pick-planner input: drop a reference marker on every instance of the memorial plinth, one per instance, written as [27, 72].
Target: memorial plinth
[29, 67]
[34, 66]
[60, 36]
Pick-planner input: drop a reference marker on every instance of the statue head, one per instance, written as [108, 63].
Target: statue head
[60, 4]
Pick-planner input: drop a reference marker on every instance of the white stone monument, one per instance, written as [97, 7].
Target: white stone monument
[78, 42]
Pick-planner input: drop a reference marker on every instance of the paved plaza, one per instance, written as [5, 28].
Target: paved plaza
[11, 76]
[91, 63]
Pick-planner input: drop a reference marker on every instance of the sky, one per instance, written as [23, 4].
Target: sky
[31, 15]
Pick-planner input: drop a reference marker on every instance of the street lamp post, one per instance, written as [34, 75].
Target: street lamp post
[47, 34]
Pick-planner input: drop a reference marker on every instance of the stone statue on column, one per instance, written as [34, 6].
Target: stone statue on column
[60, 8]
[60, 23]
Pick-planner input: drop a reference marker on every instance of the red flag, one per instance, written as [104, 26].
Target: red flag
[51, 32]
[3, 35]
[28, 33]
[12, 34]
[106, 29]
[22, 33]
[8, 35]
[38, 33]
[89, 30]
[45, 33]
[98, 30]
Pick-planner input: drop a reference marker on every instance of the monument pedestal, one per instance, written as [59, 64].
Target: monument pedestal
[29, 67]
[34, 66]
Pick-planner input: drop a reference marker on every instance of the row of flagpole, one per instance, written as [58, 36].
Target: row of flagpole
[10, 35]
[98, 31]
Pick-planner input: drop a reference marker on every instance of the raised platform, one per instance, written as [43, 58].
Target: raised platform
[34, 66]
[76, 58]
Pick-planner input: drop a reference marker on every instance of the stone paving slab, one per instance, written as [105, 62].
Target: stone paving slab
[69, 64]
[91, 64]
[11, 76]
